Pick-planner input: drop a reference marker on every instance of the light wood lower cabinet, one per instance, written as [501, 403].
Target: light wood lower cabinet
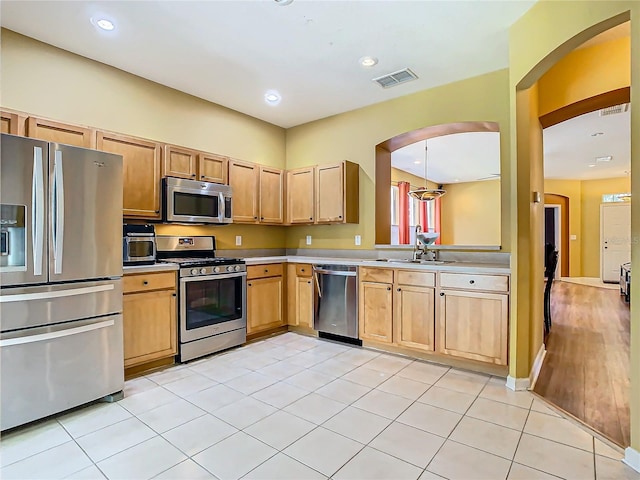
[300, 295]
[414, 317]
[150, 328]
[473, 325]
[265, 298]
[376, 312]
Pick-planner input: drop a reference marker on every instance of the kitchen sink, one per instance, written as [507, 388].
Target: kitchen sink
[417, 262]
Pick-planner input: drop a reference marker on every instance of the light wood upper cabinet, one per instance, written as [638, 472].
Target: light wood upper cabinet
[264, 304]
[271, 195]
[12, 122]
[414, 317]
[243, 178]
[301, 195]
[337, 193]
[179, 162]
[52, 131]
[141, 173]
[376, 312]
[149, 318]
[473, 325]
[213, 168]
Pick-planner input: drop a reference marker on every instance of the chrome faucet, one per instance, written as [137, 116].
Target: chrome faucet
[417, 249]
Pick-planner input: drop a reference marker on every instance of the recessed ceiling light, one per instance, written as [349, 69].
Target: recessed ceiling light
[368, 61]
[592, 165]
[603, 159]
[597, 134]
[417, 162]
[283, 3]
[456, 179]
[272, 97]
[103, 23]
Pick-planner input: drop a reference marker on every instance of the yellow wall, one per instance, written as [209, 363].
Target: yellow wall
[41, 79]
[538, 40]
[572, 189]
[398, 175]
[585, 73]
[471, 213]
[592, 191]
[354, 135]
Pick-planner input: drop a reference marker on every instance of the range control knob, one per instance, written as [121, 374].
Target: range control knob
[229, 268]
[194, 271]
[203, 271]
[216, 269]
[237, 268]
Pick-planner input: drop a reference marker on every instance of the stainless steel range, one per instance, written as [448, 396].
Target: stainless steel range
[212, 295]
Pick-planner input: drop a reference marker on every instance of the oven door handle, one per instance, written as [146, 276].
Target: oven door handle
[212, 277]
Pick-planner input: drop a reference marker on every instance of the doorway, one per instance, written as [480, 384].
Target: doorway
[552, 236]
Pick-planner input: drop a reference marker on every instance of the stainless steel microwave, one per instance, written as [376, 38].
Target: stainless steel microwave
[190, 201]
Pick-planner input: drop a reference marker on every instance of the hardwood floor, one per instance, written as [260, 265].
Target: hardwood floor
[586, 369]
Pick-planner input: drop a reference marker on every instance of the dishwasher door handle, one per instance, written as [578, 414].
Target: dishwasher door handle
[339, 273]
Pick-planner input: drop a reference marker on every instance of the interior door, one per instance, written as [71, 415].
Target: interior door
[85, 201]
[615, 248]
[23, 212]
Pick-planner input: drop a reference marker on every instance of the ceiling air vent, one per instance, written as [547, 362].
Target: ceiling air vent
[395, 78]
[614, 110]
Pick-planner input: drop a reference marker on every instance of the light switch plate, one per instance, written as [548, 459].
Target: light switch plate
[358, 240]
[238, 240]
[308, 239]
[573, 237]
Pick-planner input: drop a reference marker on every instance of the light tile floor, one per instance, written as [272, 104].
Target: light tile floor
[294, 407]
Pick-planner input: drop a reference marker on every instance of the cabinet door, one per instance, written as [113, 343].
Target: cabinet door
[264, 304]
[141, 173]
[376, 313]
[330, 193]
[149, 326]
[473, 325]
[212, 168]
[243, 178]
[304, 301]
[12, 123]
[301, 195]
[271, 194]
[414, 317]
[179, 162]
[61, 132]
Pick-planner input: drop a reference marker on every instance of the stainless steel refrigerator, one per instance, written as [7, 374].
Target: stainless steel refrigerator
[60, 278]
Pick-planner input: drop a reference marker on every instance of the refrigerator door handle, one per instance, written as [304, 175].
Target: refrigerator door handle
[23, 297]
[55, 334]
[37, 211]
[58, 212]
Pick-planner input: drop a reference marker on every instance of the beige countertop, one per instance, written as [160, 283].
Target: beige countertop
[156, 267]
[462, 267]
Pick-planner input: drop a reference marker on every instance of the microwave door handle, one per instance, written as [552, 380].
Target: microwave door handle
[37, 211]
[221, 210]
[58, 212]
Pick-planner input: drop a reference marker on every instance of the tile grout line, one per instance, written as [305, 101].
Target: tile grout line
[515, 452]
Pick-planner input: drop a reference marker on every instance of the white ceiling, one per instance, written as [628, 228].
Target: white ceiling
[231, 52]
[569, 147]
[460, 157]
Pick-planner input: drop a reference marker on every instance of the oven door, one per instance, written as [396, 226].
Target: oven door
[212, 304]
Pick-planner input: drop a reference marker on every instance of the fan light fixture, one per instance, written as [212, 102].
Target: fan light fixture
[425, 194]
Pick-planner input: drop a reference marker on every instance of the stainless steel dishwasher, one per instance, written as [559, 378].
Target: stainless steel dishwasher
[335, 306]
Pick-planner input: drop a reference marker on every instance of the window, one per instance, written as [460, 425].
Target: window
[395, 206]
[615, 197]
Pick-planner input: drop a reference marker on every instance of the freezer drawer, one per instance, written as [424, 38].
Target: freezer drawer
[47, 370]
[45, 305]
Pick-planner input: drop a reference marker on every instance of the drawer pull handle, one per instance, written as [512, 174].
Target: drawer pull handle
[472, 282]
[174, 295]
[266, 270]
[442, 294]
[145, 282]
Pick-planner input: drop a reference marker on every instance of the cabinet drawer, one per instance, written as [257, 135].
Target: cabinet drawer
[260, 271]
[493, 283]
[420, 279]
[380, 275]
[303, 270]
[149, 281]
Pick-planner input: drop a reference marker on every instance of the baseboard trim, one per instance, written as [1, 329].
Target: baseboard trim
[537, 366]
[632, 458]
[518, 384]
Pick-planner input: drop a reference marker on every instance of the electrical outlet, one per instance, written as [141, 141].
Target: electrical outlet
[308, 239]
[358, 240]
[238, 240]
